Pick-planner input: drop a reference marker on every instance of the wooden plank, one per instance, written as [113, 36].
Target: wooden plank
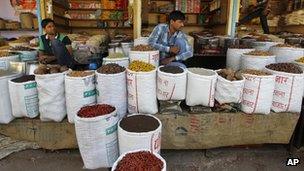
[191, 131]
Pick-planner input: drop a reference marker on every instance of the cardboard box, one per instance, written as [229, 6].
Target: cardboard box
[191, 131]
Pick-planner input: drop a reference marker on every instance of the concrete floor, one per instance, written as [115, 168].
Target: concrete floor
[263, 158]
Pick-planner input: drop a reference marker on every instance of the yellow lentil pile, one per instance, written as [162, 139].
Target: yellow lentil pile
[301, 60]
[139, 66]
[80, 73]
[259, 53]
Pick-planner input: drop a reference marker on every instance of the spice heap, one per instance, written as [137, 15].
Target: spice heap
[171, 69]
[139, 66]
[80, 73]
[24, 78]
[142, 160]
[301, 60]
[230, 74]
[95, 110]
[283, 45]
[5, 54]
[143, 48]
[285, 67]
[259, 53]
[255, 72]
[22, 48]
[50, 69]
[111, 69]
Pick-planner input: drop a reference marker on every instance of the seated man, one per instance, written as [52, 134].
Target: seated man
[171, 41]
[54, 48]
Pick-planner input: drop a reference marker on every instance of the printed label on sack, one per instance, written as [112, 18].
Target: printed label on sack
[30, 85]
[31, 105]
[154, 59]
[165, 88]
[112, 151]
[132, 93]
[251, 92]
[282, 92]
[111, 130]
[156, 142]
[89, 93]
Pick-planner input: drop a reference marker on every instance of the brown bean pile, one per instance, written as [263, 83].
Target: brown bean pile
[285, 67]
[140, 161]
[259, 53]
[111, 69]
[22, 48]
[171, 69]
[230, 74]
[24, 78]
[143, 48]
[80, 73]
[50, 69]
[255, 72]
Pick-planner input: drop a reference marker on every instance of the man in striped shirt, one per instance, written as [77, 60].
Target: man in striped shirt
[171, 41]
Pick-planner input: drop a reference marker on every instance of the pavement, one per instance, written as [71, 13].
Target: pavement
[257, 158]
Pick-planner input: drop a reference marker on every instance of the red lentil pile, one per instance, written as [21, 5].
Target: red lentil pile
[95, 110]
[141, 161]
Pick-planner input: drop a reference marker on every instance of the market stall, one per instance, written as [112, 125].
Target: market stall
[240, 87]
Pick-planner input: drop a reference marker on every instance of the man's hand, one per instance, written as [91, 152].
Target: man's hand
[166, 61]
[174, 49]
[45, 59]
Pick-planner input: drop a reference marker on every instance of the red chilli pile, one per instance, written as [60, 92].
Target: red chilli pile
[95, 110]
[141, 161]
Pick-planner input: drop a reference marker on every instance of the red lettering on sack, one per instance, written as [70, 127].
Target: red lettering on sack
[248, 103]
[130, 96]
[279, 93]
[157, 143]
[281, 79]
[155, 57]
[129, 81]
[159, 80]
[248, 91]
[131, 107]
[166, 83]
[279, 105]
[249, 78]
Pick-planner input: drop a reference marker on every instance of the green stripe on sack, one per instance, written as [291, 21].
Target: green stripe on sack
[89, 93]
[30, 85]
[111, 130]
